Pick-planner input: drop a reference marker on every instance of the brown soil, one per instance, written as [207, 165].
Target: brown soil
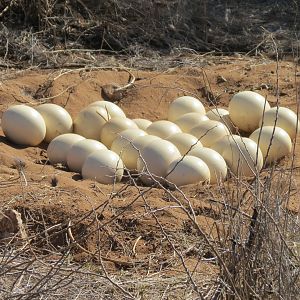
[123, 217]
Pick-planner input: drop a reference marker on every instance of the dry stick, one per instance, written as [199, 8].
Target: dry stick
[130, 83]
[172, 245]
[102, 265]
[135, 244]
[193, 219]
[47, 277]
[293, 158]
[12, 2]
[276, 119]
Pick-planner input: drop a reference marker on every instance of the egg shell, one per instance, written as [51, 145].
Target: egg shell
[243, 158]
[124, 138]
[89, 122]
[23, 125]
[274, 143]
[246, 109]
[103, 166]
[163, 129]
[221, 115]
[142, 123]
[215, 162]
[113, 127]
[187, 121]
[286, 119]
[131, 152]
[187, 170]
[184, 142]
[113, 110]
[58, 121]
[59, 147]
[184, 105]
[78, 153]
[156, 158]
[209, 132]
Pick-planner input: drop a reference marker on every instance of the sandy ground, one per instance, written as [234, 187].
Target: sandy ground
[129, 235]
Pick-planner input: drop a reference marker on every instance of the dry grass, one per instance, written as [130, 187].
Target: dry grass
[51, 33]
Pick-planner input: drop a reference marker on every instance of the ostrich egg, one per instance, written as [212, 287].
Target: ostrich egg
[188, 121]
[125, 138]
[59, 147]
[113, 127]
[163, 129]
[243, 158]
[142, 123]
[215, 162]
[187, 170]
[246, 109]
[224, 143]
[89, 122]
[132, 151]
[184, 105]
[58, 121]
[184, 142]
[103, 166]
[221, 115]
[23, 125]
[209, 132]
[80, 151]
[113, 110]
[286, 119]
[155, 158]
[276, 140]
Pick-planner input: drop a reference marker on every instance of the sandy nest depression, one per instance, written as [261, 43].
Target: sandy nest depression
[129, 227]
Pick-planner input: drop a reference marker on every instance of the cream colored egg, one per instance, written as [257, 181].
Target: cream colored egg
[155, 159]
[89, 122]
[221, 115]
[187, 170]
[246, 109]
[78, 153]
[273, 143]
[103, 166]
[58, 121]
[23, 125]
[286, 119]
[163, 129]
[114, 110]
[142, 123]
[188, 121]
[243, 157]
[59, 147]
[224, 143]
[184, 105]
[124, 138]
[131, 152]
[184, 142]
[215, 162]
[113, 127]
[209, 132]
